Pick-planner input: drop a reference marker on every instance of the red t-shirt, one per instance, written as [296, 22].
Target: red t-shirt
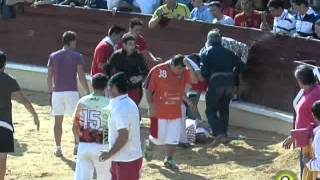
[200, 87]
[141, 44]
[102, 54]
[253, 21]
[168, 91]
[229, 11]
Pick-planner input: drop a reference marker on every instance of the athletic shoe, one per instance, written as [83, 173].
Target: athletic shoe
[58, 153]
[171, 164]
[218, 140]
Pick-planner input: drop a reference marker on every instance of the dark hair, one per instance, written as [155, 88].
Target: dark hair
[99, 81]
[135, 22]
[177, 60]
[116, 29]
[127, 37]
[300, 2]
[215, 3]
[304, 74]
[68, 37]
[120, 81]
[317, 23]
[316, 109]
[195, 57]
[3, 59]
[276, 4]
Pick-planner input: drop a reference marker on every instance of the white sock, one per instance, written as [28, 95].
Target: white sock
[58, 148]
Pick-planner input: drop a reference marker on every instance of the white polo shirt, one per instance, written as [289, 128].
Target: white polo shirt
[286, 23]
[124, 114]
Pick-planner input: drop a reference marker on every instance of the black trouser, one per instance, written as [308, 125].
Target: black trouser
[218, 98]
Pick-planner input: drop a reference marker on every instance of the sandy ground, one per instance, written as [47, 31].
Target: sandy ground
[239, 160]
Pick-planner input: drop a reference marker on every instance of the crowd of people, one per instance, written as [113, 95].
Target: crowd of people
[298, 20]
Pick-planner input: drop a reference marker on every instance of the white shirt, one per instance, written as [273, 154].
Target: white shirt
[314, 165]
[112, 4]
[124, 114]
[225, 20]
[286, 23]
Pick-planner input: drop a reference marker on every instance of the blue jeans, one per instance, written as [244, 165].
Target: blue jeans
[6, 11]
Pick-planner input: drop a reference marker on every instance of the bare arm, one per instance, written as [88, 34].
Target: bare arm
[82, 78]
[75, 125]
[119, 144]
[21, 98]
[50, 79]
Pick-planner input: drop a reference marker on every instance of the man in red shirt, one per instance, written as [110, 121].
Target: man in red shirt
[135, 29]
[165, 92]
[105, 48]
[249, 17]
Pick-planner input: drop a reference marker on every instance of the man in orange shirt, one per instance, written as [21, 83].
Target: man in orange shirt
[165, 92]
[249, 17]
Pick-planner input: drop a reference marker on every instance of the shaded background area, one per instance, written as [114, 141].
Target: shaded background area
[269, 81]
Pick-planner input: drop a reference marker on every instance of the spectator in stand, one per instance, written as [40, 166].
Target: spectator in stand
[220, 18]
[132, 63]
[127, 6]
[135, 29]
[228, 8]
[188, 3]
[249, 17]
[284, 21]
[306, 18]
[170, 10]
[105, 48]
[317, 29]
[147, 6]
[201, 12]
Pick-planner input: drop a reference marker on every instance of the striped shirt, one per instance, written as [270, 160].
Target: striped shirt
[286, 23]
[305, 23]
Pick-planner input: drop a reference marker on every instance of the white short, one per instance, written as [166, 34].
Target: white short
[168, 132]
[64, 103]
[88, 160]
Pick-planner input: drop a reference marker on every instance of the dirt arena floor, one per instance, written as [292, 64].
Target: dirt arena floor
[240, 160]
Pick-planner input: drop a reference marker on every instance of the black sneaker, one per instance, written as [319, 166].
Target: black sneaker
[184, 145]
[171, 164]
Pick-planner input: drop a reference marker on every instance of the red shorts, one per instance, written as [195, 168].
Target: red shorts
[126, 170]
[135, 95]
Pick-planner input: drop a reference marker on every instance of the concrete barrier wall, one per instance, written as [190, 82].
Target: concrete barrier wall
[241, 114]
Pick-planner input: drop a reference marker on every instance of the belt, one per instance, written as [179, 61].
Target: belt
[6, 125]
[214, 75]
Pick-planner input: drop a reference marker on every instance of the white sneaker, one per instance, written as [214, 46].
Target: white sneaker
[58, 153]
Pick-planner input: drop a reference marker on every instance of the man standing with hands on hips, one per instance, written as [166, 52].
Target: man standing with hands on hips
[124, 132]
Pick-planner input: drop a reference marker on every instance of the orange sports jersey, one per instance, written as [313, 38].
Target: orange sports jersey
[253, 21]
[168, 90]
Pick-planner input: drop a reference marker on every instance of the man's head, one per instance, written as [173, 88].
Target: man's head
[115, 33]
[177, 64]
[69, 39]
[197, 3]
[3, 60]
[171, 2]
[216, 9]
[305, 77]
[276, 7]
[247, 6]
[129, 43]
[214, 37]
[118, 84]
[316, 111]
[317, 28]
[136, 26]
[300, 6]
[99, 82]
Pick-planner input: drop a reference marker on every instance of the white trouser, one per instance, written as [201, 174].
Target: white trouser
[88, 160]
